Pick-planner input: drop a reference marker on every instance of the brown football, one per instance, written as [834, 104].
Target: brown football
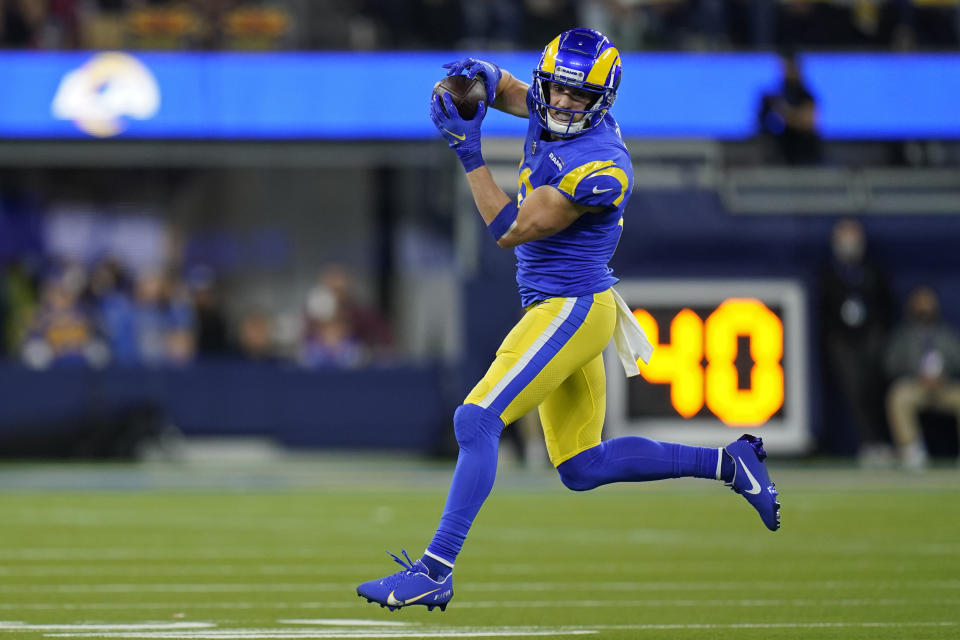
[465, 93]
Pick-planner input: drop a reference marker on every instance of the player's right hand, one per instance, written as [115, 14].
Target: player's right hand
[463, 136]
[470, 67]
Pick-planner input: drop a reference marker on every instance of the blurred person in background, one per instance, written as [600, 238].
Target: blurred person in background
[855, 315]
[923, 361]
[18, 299]
[212, 335]
[923, 24]
[788, 118]
[336, 296]
[39, 24]
[62, 331]
[818, 24]
[340, 330]
[110, 299]
[21, 23]
[255, 338]
[104, 25]
[164, 321]
[492, 24]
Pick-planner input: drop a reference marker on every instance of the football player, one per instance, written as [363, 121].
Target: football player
[574, 184]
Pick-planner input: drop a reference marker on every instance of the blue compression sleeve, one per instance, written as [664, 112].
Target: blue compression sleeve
[478, 434]
[635, 459]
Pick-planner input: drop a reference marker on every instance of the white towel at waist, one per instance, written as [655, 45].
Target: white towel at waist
[630, 340]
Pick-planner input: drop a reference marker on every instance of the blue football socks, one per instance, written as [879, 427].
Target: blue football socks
[437, 569]
[478, 434]
[636, 459]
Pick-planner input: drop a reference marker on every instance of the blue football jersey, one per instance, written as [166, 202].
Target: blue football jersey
[591, 169]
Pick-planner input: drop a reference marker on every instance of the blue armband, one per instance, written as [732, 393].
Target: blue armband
[504, 221]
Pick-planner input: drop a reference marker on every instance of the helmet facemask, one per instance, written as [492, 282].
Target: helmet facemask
[582, 59]
[592, 113]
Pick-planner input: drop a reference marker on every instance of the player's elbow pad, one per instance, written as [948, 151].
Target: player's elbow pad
[505, 221]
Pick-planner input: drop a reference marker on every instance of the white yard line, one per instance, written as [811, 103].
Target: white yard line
[145, 626]
[489, 604]
[487, 632]
[771, 625]
[136, 588]
[346, 622]
[308, 634]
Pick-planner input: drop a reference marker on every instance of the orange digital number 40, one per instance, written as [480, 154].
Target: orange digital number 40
[679, 362]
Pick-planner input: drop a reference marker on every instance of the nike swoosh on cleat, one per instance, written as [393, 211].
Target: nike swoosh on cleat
[460, 137]
[595, 190]
[397, 603]
[754, 485]
[422, 595]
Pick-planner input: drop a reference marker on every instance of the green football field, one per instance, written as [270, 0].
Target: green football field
[275, 550]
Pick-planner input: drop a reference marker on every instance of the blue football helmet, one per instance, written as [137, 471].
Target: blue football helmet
[583, 59]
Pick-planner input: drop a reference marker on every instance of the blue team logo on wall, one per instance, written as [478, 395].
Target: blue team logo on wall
[105, 93]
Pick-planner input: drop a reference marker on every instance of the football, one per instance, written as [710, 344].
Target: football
[465, 93]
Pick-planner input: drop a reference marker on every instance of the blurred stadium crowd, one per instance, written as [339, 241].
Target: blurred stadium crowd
[85, 285]
[59, 313]
[511, 24]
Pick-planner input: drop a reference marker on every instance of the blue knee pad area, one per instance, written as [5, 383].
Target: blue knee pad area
[580, 473]
[474, 425]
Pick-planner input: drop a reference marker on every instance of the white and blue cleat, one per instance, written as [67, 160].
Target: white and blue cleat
[751, 480]
[413, 585]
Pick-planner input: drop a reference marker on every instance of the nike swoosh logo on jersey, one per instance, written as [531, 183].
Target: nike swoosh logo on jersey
[754, 485]
[599, 191]
[460, 137]
[393, 602]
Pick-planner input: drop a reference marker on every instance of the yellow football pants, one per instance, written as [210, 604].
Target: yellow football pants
[552, 359]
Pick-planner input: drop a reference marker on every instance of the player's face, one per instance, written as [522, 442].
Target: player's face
[564, 97]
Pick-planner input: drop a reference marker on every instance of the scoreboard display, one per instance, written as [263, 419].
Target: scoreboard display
[729, 357]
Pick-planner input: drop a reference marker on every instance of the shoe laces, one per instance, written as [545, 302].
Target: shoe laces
[396, 579]
[408, 565]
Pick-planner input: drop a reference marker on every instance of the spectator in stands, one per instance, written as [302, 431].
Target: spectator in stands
[62, 332]
[105, 25]
[366, 324]
[855, 311]
[923, 360]
[492, 24]
[255, 338]
[212, 337]
[329, 337]
[164, 321]
[110, 300]
[39, 24]
[788, 117]
[923, 24]
[18, 297]
[21, 23]
[339, 328]
[810, 23]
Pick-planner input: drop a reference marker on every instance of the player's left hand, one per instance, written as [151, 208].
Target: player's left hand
[470, 67]
[463, 136]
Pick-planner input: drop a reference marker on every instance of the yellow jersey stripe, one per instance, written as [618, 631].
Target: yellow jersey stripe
[620, 175]
[539, 343]
[550, 56]
[601, 68]
[570, 181]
